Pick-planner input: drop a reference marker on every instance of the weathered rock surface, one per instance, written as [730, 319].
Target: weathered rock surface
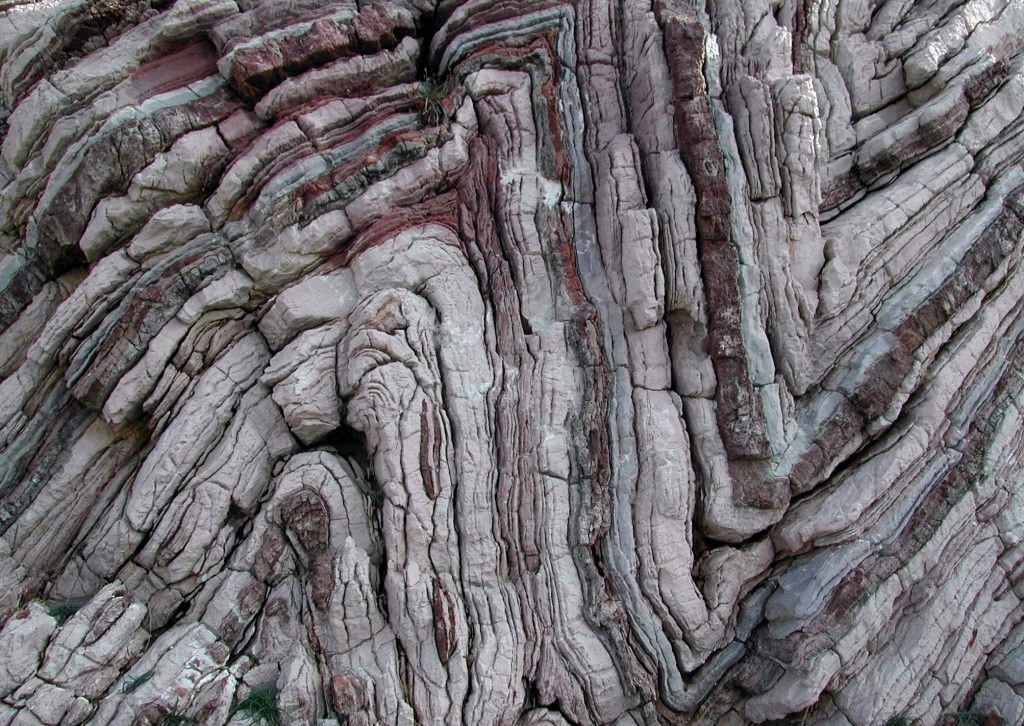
[526, 362]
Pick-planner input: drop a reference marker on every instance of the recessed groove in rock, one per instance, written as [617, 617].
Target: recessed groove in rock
[606, 362]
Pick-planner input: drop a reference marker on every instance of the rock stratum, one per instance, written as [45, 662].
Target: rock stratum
[520, 362]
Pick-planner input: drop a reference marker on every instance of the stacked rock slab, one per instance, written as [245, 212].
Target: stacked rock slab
[512, 362]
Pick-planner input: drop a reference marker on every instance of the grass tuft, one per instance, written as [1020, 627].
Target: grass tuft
[62, 612]
[132, 684]
[260, 706]
[175, 718]
[433, 93]
[899, 720]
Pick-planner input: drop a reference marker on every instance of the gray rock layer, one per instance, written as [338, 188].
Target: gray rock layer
[511, 362]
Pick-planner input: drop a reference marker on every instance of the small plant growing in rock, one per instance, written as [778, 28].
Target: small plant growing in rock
[63, 611]
[174, 718]
[260, 706]
[899, 720]
[433, 92]
[132, 684]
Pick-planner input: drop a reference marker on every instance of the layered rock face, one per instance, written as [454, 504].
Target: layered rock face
[519, 362]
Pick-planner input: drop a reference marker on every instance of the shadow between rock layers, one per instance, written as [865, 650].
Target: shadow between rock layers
[511, 362]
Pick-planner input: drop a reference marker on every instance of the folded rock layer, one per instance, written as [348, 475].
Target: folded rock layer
[524, 362]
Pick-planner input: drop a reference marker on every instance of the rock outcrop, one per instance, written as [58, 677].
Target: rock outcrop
[523, 362]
